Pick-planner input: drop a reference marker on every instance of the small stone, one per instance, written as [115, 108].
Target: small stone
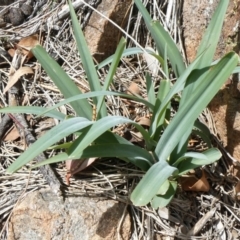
[16, 16]
[26, 9]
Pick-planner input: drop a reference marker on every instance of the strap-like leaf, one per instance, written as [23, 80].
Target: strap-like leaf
[54, 135]
[63, 82]
[150, 184]
[185, 117]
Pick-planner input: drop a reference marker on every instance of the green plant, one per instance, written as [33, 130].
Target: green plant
[165, 155]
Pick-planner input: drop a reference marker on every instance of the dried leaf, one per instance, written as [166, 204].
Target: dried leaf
[75, 166]
[192, 183]
[137, 136]
[144, 121]
[86, 163]
[16, 76]
[29, 42]
[26, 44]
[133, 89]
[11, 52]
[12, 135]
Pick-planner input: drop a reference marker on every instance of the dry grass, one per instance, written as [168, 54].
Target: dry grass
[215, 213]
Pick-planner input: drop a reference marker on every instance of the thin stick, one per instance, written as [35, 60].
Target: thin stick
[22, 127]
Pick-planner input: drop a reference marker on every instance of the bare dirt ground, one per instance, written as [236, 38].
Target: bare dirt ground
[191, 215]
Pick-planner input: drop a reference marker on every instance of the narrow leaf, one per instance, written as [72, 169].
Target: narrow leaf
[163, 91]
[203, 131]
[99, 93]
[184, 118]
[126, 52]
[57, 133]
[150, 184]
[212, 35]
[150, 89]
[87, 60]
[195, 155]
[34, 110]
[112, 70]
[129, 52]
[212, 155]
[139, 157]
[162, 39]
[97, 129]
[177, 87]
[160, 201]
[236, 70]
[63, 82]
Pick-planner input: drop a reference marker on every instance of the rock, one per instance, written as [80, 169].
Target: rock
[42, 215]
[225, 106]
[26, 9]
[102, 37]
[16, 16]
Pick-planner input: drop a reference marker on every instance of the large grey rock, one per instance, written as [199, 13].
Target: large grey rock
[42, 215]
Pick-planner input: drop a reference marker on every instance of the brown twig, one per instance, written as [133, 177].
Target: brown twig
[23, 128]
[46, 170]
[4, 125]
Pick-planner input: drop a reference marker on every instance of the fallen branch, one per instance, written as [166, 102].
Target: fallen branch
[4, 125]
[23, 128]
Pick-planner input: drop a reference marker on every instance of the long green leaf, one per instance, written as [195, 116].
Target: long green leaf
[195, 155]
[212, 155]
[177, 87]
[165, 65]
[63, 82]
[212, 35]
[34, 110]
[97, 129]
[112, 70]
[108, 138]
[100, 93]
[181, 147]
[87, 60]
[129, 52]
[163, 91]
[57, 133]
[236, 70]
[164, 187]
[203, 131]
[150, 89]
[162, 38]
[160, 201]
[138, 156]
[184, 118]
[126, 52]
[151, 182]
